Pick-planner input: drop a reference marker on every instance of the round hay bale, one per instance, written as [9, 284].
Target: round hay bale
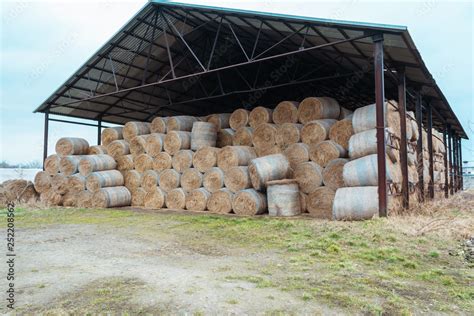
[268, 168]
[138, 197]
[237, 179]
[320, 201]
[59, 183]
[176, 140]
[154, 144]
[182, 160]
[97, 150]
[51, 198]
[158, 125]
[260, 115]
[303, 197]
[102, 179]
[133, 179]
[181, 123]
[365, 143]
[112, 197]
[287, 134]
[220, 121]
[42, 181]
[231, 156]
[213, 179]
[341, 132]
[315, 132]
[76, 183]
[356, 203]
[84, 199]
[19, 191]
[125, 163]
[239, 118]
[332, 173]
[243, 136]
[154, 199]
[364, 118]
[225, 137]
[203, 134]
[309, 176]
[137, 144]
[220, 202]
[313, 108]
[414, 127]
[169, 180]
[264, 135]
[205, 158]
[162, 162]
[283, 198]
[150, 180]
[51, 164]
[70, 199]
[132, 129]
[249, 202]
[286, 112]
[326, 151]
[72, 146]
[92, 163]
[363, 172]
[191, 179]
[118, 148]
[196, 200]
[69, 164]
[176, 199]
[268, 150]
[297, 154]
[143, 162]
[110, 134]
[345, 114]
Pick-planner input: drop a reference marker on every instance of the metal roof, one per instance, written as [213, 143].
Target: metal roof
[174, 58]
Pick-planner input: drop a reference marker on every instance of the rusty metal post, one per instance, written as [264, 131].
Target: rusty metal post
[419, 146]
[380, 122]
[451, 163]
[461, 179]
[403, 140]
[45, 136]
[430, 151]
[99, 131]
[455, 160]
[446, 164]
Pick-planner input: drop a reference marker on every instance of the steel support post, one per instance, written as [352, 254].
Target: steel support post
[446, 163]
[451, 161]
[455, 160]
[430, 151]
[99, 131]
[45, 136]
[380, 122]
[461, 179]
[403, 140]
[419, 146]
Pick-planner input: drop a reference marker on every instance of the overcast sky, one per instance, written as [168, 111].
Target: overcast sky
[44, 42]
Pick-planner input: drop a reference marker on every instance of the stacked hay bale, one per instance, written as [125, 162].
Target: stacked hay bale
[439, 150]
[17, 191]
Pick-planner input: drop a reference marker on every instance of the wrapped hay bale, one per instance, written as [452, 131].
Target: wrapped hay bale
[169, 180]
[268, 168]
[138, 197]
[133, 179]
[132, 129]
[154, 144]
[84, 199]
[118, 148]
[249, 202]
[76, 183]
[220, 121]
[196, 200]
[239, 118]
[203, 134]
[177, 140]
[59, 183]
[182, 160]
[315, 132]
[237, 179]
[225, 137]
[101, 179]
[67, 146]
[326, 151]
[283, 198]
[364, 118]
[181, 123]
[176, 199]
[243, 136]
[313, 108]
[143, 162]
[341, 131]
[260, 115]
[220, 202]
[264, 135]
[213, 179]
[125, 163]
[332, 173]
[309, 176]
[365, 143]
[287, 134]
[231, 156]
[363, 172]
[319, 202]
[137, 144]
[91, 163]
[345, 114]
[154, 199]
[97, 150]
[205, 158]
[356, 203]
[70, 199]
[296, 154]
[268, 150]
[162, 162]
[42, 181]
[110, 134]
[286, 112]
[158, 125]
[112, 197]
[69, 165]
[191, 179]
[51, 164]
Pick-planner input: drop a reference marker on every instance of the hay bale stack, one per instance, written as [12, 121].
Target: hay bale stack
[205, 158]
[97, 150]
[243, 136]
[138, 144]
[356, 203]
[268, 150]
[110, 134]
[232, 156]
[154, 144]
[177, 140]
[138, 197]
[154, 199]
[264, 135]
[67, 146]
[237, 179]
[203, 134]
[341, 131]
[191, 179]
[91, 163]
[169, 179]
[70, 199]
[249, 202]
[133, 179]
[287, 134]
[220, 202]
[18, 191]
[220, 121]
[42, 181]
[225, 137]
[182, 160]
[196, 200]
[112, 197]
[118, 148]
[309, 176]
[283, 198]
[51, 164]
[162, 162]
[316, 131]
[260, 115]
[239, 118]
[181, 123]
[213, 179]
[364, 118]
[296, 154]
[51, 198]
[59, 183]
[313, 108]
[332, 173]
[143, 162]
[132, 129]
[326, 151]
[102, 179]
[76, 183]
[319, 202]
[158, 125]
[125, 163]
[176, 199]
[84, 199]
[69, 165]
[286, 112]
[150, 180]
[268, 168]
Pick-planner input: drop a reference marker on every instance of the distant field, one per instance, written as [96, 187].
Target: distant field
[8, 174]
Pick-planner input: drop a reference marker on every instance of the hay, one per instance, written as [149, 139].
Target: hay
[220, 121]
[332, 173]
[138, 197]
[133, 179]
[70, 199]
[232, 156]
[72, 146]
[320, 201]
[203, 134]
[345, 114]
[283, 198]
[326, 151]
[118, 148]
[341, 132]
[249, 202]
[181, 123]
[158, 125]
[59, 183]
[237, 179]
[213, 179]
[220, 202]
[143, 162]
[162, 162]
[112, 197]
[268, 168]
[150, 180]
[154, 199]
[365, 118]
[125, 163]
[132, 129]
[365, 143]
[176, 199]
[97, 150]
[287, 134]
[51, 198]
[309, 176]
[42, 181]
[191, 179]
[137, 144]
[18, 191]
[76, 183]
[154, 144]
[315, 132]
[196, 200]
[101, 179]
[92, 163]
[312, 108]
[225, 137]
[169, 180]
[205, 158]
[260, 115]
[182, 160]
[264, 135]
[51, 164]
[286, 112]
[304, 207]
[177, 140]
[84, 199]
[297, 154]
[69, 164]
[268, 150]
[110, 134]
[239, 118]
[243, 136]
